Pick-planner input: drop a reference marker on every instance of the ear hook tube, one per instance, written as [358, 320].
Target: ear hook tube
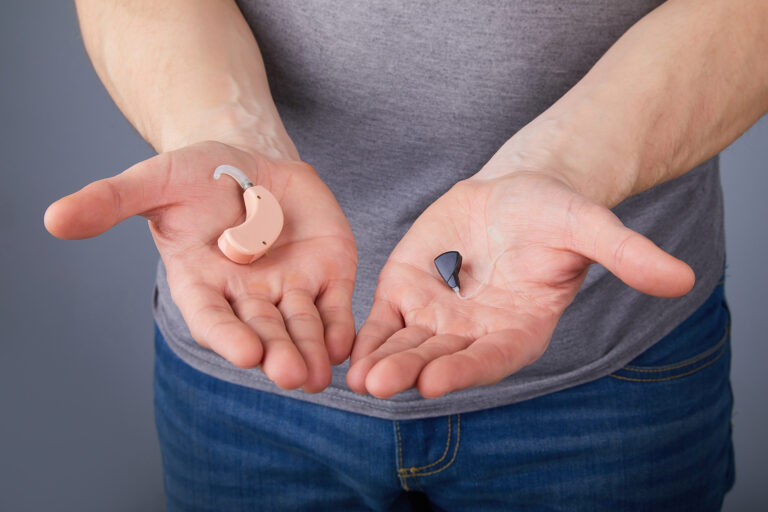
[235, 173]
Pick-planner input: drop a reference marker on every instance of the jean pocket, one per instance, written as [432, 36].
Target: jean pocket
[698, 342]
[677, 370]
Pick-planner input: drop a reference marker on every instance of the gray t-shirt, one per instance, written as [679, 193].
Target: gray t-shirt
[401, 99]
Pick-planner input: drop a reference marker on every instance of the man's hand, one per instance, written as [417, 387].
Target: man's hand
[652, 108]
[419, 333]
[289, 311]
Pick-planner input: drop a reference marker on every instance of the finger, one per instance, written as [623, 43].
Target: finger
[484, 362]
[306, 331]
[102, 204]
[214, 325]
[382, 322]
[282, 362]
[335, 307]
[408, 337]
[630, 256]
[400, 371]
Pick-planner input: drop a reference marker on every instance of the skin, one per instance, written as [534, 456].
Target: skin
[544, 231]
[290, 310]
[674, 90]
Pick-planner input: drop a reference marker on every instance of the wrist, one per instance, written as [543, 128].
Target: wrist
[234, 125]
[548, 145]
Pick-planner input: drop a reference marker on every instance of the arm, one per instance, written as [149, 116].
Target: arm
[189, 76]
[184, 71]
[678, 87]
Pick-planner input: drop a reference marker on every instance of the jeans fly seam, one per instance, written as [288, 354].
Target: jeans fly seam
[400, 475]
[445, 452]
[453, 457]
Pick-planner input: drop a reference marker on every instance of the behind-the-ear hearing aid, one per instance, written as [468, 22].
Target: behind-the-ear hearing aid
[249, 241]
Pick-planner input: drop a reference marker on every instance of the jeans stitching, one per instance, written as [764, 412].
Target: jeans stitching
[453, 457]
[400, 475]
[445, 452]
[672, 377]
[687, 362]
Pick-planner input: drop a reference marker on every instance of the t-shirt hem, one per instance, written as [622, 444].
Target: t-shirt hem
[475, 399]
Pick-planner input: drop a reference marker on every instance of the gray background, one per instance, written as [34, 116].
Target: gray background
[76, 427]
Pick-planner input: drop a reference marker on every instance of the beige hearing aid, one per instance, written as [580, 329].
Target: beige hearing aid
[263, 221]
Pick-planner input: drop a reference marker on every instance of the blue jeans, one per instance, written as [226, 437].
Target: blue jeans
[655, 436]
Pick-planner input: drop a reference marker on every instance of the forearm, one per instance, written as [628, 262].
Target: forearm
[677, 88]
[183, 71]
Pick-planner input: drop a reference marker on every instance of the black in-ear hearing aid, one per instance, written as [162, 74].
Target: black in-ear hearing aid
[448, 265]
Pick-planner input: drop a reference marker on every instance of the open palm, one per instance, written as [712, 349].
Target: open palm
[290, 311]
[542, 237]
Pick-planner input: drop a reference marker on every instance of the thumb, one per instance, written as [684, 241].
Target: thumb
[633, 258]
[102, 204]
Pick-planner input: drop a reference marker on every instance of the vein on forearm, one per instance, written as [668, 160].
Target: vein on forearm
[180, 69]
[673, 91]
